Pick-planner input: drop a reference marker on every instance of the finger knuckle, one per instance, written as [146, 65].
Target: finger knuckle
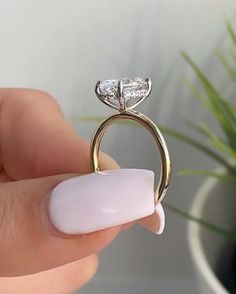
[14, 213]
[25, 97]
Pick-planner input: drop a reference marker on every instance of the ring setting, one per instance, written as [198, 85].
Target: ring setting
[124, 95]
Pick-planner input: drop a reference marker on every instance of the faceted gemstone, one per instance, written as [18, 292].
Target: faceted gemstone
[133, 90]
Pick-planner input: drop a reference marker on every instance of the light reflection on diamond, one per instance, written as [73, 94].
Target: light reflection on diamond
[134, 90]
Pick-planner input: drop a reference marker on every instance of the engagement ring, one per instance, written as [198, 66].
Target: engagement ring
[123, 95]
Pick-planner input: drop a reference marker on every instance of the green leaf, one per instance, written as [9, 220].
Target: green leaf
[227, 234]
[224, 61]
[232, 53]
[193, 89]
[205, 149]
[207, 104]
[231, 32]
[217, 102]
[223, 111]
[217, 142]
[202, 172]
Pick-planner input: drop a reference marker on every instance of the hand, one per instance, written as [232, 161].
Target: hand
[37, 145]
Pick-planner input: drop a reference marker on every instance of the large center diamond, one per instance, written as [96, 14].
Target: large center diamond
[123, 94]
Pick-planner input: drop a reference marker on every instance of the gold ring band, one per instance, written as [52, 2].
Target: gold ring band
[140, 118]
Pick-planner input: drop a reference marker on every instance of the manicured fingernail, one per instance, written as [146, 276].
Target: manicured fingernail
[156, 221]
[96, 201]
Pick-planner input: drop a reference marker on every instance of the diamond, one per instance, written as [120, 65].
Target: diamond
[123, 94]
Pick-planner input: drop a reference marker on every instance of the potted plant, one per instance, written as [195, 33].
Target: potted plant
[212, 233]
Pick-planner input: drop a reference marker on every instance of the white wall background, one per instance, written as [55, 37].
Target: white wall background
[64, 47]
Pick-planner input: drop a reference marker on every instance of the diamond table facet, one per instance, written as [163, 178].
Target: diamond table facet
[123, 93]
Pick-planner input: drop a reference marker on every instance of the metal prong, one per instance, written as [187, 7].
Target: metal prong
[120, 96]
[97, 89]
[120, 89]
[149, 86]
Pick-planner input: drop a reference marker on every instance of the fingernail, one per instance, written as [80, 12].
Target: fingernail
[154, 222]
[96, 201]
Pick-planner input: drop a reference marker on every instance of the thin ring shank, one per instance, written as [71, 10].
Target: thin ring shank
[153, 130]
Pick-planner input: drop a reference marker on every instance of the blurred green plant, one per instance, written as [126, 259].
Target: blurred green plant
[221, 148]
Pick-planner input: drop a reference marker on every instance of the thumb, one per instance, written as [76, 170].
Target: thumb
[50, 221]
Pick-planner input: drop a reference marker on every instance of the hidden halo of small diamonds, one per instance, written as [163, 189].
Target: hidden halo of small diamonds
[123, 94]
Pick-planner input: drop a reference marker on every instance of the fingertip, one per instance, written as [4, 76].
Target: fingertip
[89, 265]
[63, 279]
[127, 226]
[107, 162]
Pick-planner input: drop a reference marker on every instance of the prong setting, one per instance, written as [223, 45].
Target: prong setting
[123, 94]
[120, 97]
[97, 88]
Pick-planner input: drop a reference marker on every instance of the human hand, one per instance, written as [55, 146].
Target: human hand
[37, 142]
[38, 150]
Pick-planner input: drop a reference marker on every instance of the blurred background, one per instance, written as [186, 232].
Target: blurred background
[65, 47]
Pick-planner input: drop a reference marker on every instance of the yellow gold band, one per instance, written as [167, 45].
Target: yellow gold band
[140, 118]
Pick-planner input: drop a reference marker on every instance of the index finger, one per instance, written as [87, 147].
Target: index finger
[35, 138]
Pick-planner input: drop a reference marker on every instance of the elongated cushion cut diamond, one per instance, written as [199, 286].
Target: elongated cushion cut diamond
[123, 94]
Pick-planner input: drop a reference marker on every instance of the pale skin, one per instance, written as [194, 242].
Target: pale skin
[39, 149]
